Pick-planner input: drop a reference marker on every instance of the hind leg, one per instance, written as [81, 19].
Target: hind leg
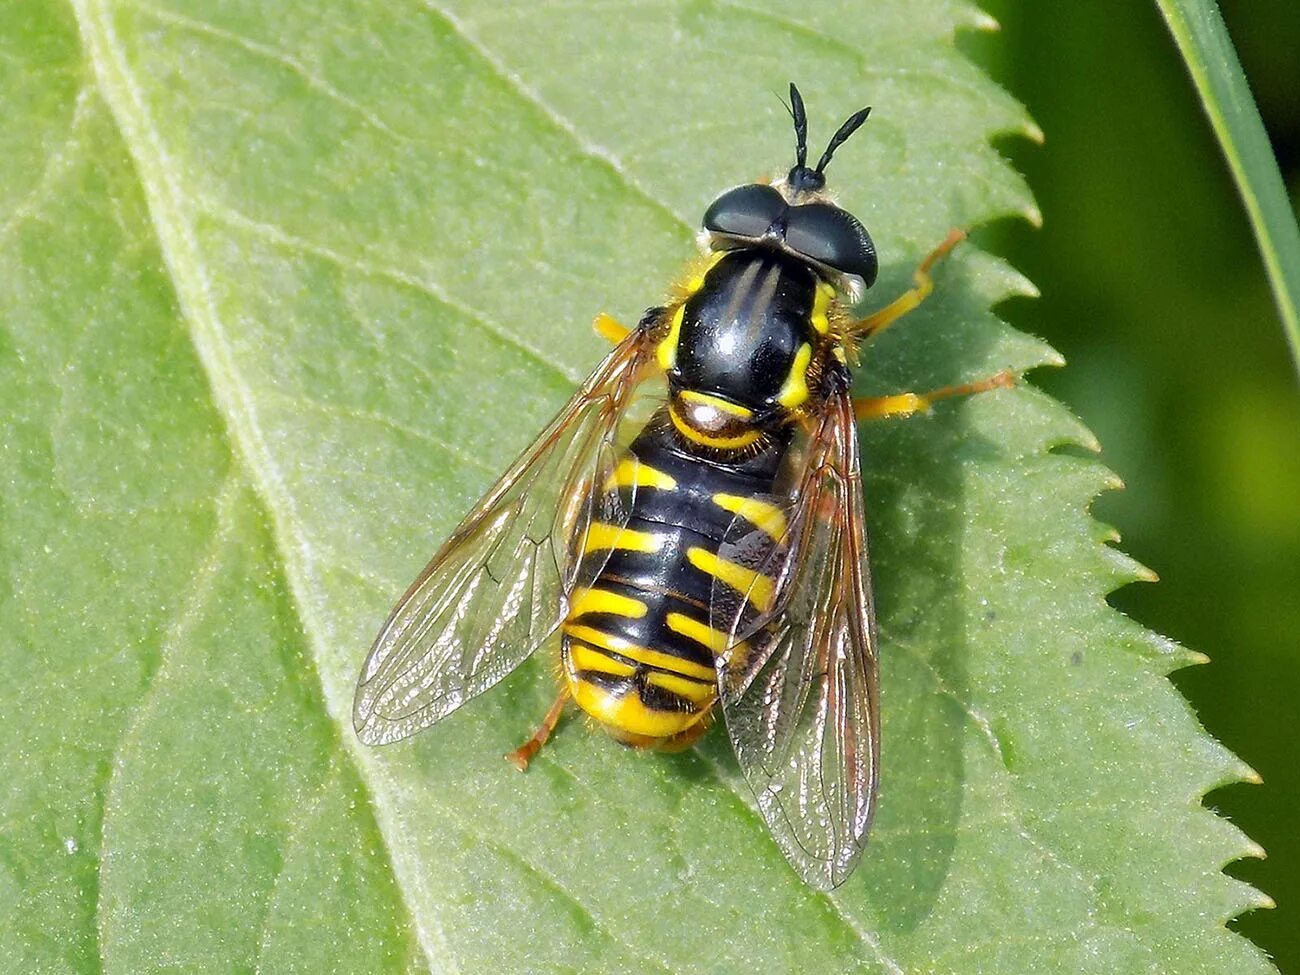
[522, 755]
[905, 404]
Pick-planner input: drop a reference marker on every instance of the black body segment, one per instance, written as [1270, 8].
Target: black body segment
[742, 330]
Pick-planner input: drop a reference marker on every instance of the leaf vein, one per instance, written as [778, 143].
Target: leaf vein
[746, 800]
[275, 235]
[306, 402]
[283, 58]
[181, 252]
[57, 164]
[549, 880]
[534, 98]
[199, 588]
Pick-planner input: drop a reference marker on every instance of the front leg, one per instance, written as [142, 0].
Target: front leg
[923, 284]
[610, 328]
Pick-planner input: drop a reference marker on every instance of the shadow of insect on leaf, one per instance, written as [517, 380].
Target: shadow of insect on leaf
[917, 518]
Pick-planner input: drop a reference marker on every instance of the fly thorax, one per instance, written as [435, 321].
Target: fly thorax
[740, 338]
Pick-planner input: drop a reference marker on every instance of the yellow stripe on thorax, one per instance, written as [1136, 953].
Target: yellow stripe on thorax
[763, 515]
[795, 389]
[667, 351]
[821, 306]
[754, 586]
[717, 402]
[605, 536]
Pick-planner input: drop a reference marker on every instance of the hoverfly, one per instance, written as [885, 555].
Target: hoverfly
[691, 526]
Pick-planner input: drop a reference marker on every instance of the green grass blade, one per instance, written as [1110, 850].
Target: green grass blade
[1203, 40]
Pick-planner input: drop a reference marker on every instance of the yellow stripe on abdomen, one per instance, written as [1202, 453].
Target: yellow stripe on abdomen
[697, 693]
[763, 515]
[642, 655]
[604, 536]
[701, 633]
[610, 689]
[628, 714]
[757, 588]
[583, 657]
[603, 601]
[632, 473]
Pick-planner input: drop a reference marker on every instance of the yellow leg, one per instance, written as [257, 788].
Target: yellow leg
[522, 755]
[922, 286]
[610, 328]
[905, 404]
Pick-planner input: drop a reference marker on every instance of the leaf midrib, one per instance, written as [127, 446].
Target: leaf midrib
[231, 394]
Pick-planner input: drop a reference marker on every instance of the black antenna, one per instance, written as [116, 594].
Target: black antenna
[801, 178]
[850, 126]
[800, 128]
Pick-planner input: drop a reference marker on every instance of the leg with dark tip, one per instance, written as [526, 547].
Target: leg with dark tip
[905, 404]
[522, 755]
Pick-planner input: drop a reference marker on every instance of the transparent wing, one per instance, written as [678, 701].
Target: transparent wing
[500, 585]
[799, 683]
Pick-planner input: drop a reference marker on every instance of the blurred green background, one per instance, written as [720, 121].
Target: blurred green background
[1154, 291]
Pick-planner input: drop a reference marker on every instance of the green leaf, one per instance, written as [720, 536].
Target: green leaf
[1202, 39]
[284, 286]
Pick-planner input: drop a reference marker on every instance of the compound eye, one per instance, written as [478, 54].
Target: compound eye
[833, 237]
[747, 211]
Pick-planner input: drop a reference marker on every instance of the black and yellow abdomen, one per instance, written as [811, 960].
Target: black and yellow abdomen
[638, 650]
